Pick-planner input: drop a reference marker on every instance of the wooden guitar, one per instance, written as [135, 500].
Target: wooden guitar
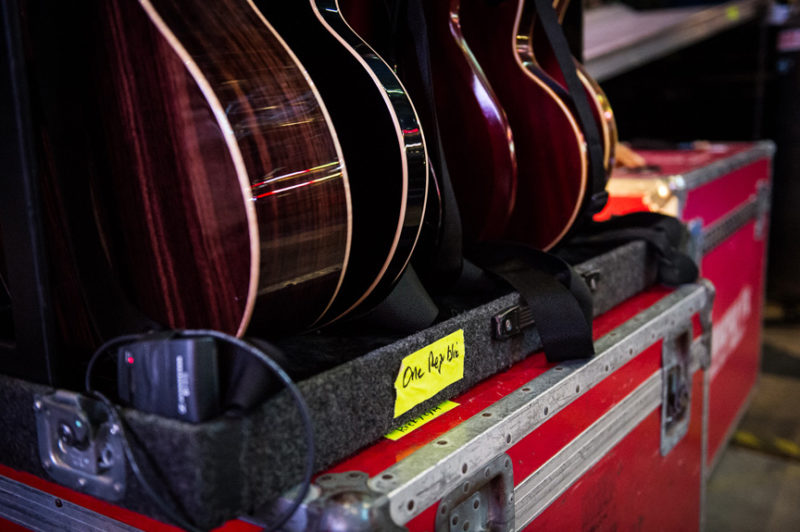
[601, 107]
[553, 163]
[476, 138]
[224, 198]
[381, 139]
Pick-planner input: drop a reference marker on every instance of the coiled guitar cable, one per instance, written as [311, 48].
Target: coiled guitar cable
[170, 510]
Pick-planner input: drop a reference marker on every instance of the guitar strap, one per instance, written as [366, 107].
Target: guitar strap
[586, 120]
[558, 298]
[664, 235]
[445, 264]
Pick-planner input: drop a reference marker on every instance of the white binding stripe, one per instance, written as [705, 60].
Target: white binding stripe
[233, 149]
[334, 138]
[401, 145]
[570, 118]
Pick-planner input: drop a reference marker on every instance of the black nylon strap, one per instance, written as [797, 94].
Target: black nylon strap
[586, 121]
[663, 234]
[449, 252]
[558, 298]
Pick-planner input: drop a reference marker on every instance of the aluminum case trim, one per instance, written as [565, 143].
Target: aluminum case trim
[419, 481]
[39, 510]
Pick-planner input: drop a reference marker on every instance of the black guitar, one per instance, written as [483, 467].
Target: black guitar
[381, 140]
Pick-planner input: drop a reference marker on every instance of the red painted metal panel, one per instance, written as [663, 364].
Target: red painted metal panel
[107, 509]
[620, 205]
[8, 526]
[542, 444]
[737, 267]
[386, 453]
[675, 162]
[717, 198]
[633, 487]
[81, 499]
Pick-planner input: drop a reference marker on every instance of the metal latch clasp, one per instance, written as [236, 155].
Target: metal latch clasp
[482, 501]
[79, 446]
[676, 395]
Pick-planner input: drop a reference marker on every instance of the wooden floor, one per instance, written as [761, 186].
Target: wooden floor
[756, 485]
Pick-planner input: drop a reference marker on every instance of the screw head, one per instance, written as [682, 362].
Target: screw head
[508, 325]
[117, 487]
[37, 405]
[82, 482]
[114, 429]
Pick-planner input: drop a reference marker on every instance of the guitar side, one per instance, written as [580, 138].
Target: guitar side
[550, 147]
[601, 107]
[224, 198]
[382, 144]
[476, 138]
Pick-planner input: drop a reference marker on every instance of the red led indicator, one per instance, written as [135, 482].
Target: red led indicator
[129, 359]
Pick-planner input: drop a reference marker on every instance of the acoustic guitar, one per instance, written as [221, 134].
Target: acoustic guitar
[601, 107]
[476, 138]
[381, 138]
[225, 200]
[552, 155]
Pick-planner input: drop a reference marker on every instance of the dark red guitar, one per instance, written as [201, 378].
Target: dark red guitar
[553, 163]
[476, 138]
[542, 54]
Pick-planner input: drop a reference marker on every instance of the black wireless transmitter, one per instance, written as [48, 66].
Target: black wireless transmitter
[171, 376]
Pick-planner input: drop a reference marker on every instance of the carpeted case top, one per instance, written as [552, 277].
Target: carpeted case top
[231, 466]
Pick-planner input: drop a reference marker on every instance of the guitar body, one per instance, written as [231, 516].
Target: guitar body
[476, 137]
[601, 108]
[603, 116]
[224, 200]
[381, 141]
[550, 148]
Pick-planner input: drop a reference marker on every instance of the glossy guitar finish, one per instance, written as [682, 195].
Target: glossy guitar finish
[550, 147]
[226, 203]
[476, 137]
[381, 140]
[543, 56]
[604, 117]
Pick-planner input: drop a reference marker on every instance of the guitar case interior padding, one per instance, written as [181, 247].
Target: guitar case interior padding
[231, 466]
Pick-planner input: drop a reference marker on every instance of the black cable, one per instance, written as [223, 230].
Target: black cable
[113, 413]
[305, 415]
[137, 472]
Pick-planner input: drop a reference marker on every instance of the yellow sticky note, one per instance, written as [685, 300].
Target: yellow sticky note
[428, 371]
[732, 13]
[414, 424]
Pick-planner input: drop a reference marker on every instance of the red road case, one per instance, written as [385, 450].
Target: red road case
[575, 445]
[722, 192]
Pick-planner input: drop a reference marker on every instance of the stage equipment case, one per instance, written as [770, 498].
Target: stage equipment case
[505, 440]
[575, 445]
[515, 443]
[722, 191]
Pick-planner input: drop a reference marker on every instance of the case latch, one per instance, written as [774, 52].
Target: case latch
[676, 389]
[336, 501]
[484, 501]
[79, 446]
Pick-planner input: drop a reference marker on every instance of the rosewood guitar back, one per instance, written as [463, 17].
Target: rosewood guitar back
[381, 140]
[225, 203]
